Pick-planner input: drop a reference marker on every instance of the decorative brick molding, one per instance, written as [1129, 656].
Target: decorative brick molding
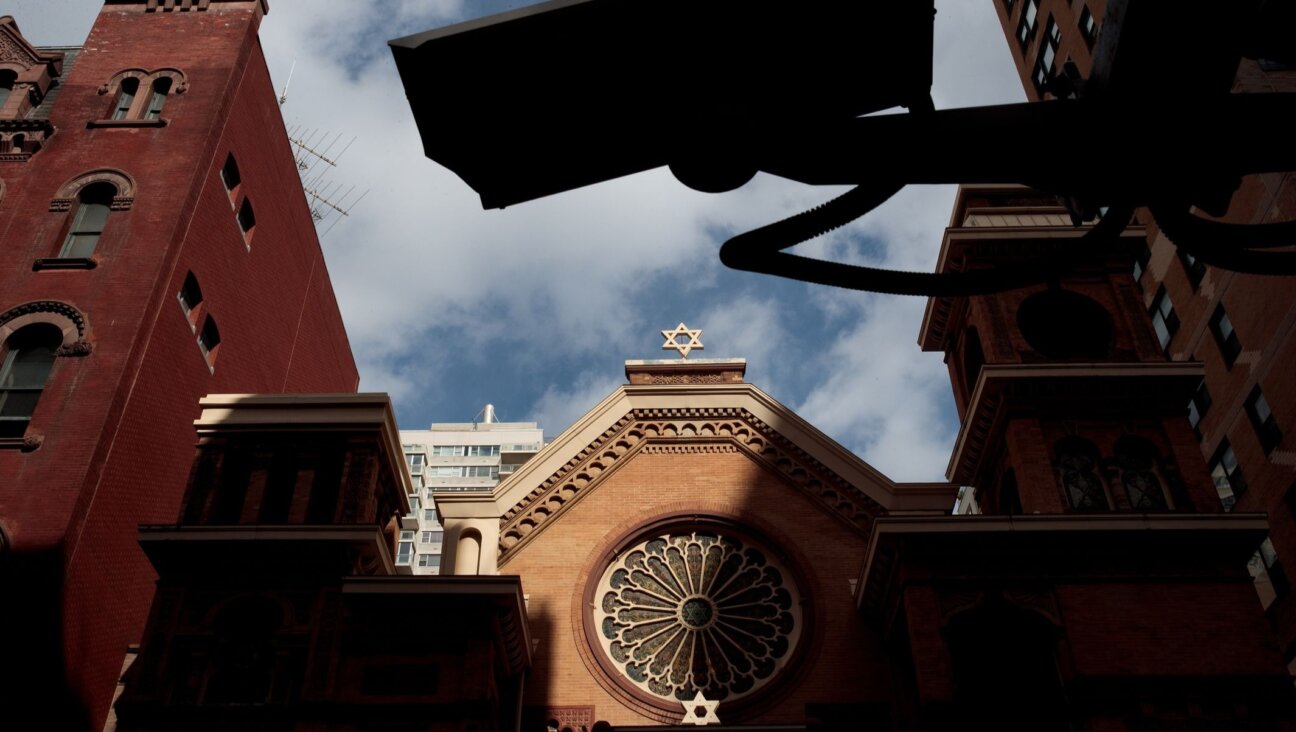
[60, 314]
[119, 180]
[558, 719]
[688, 430]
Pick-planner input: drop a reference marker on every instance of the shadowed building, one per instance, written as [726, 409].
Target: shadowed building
[1240, 327]
[155, 246]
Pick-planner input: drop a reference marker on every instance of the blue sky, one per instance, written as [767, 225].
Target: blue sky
[536, 307]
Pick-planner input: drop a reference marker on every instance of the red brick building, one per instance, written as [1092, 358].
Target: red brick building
[155, 246]
[1240, 327]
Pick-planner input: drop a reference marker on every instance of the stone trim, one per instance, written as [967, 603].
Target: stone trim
[684, 430]
[119, 179]
[59, 314]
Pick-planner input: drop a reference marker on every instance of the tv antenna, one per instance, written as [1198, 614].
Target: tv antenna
[310, 148]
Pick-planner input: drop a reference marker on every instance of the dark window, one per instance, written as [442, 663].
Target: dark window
[88, 221]
[1262, 419]
[25, 362]
[209, 340]
[1193, 267]
[125, 98]
[1137, 461]
[1273, 568]
[973, 359]
[1140, 264]
[1060, 324]
[1227, 474]
[1088, 26]
[1164, 320]
[1028, 23]
[246, 220]
[190, 297]
[7, 79]
[1197, 407]
[1225, 336]
[230, 175]
[1077, 461]
[1046, 62]
[158, 97]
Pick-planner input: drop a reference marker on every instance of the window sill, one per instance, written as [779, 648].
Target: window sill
[27, 443]
[127, 123]
[65, 263]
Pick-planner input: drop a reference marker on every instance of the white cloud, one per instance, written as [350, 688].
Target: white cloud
[427, 281]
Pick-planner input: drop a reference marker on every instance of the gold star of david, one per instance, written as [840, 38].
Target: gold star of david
[681, 330]
[699, 711]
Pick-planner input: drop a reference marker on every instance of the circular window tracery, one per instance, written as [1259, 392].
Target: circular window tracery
[685, 612]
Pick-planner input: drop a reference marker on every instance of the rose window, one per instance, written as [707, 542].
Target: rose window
[690, 612]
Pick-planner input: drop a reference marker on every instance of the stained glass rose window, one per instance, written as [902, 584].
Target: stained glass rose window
[688, 612]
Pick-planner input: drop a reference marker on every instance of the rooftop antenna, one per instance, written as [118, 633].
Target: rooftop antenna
[283, 96]
[311, 147]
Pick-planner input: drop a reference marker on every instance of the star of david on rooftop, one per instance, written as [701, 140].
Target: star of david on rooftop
[682, 331]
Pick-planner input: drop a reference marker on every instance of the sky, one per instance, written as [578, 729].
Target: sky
[536, 307]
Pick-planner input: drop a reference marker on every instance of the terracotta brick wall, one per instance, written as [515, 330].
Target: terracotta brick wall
[556, 565]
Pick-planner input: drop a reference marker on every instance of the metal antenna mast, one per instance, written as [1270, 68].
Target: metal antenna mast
[311, 147]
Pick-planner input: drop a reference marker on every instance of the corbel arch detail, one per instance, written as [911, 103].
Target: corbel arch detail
[66, 318]
[119, 179]
[179, 83]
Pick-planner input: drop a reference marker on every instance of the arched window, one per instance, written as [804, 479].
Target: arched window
[125, 98]
[1137, 460]
[1077, 461]
[88, 221]
[158, 97]
[7, 79]
[26, 358]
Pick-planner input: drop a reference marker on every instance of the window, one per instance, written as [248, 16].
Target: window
[429, 514]
[1225, 336]
[1077, 461]
[1046, 62]
[430, 560]
[431, 537]
[209, 340]
[1193, 267]
[415, 504]
[7, 79]
[157, 98]
[1197, 407]
[404, 550]
[1262, 419]
[1088, 26]
[1140, 264]
[246, 221]
[1227, 474]
[26, 358]
[417, 480]
[126, 92]
[1266, 567]
[190, 297]
[415, 461]
[92, 206]
[1029, 21]
[230, 177]
[1164, 320]
[1137, 460]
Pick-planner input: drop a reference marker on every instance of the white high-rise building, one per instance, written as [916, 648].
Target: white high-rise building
[452, 457]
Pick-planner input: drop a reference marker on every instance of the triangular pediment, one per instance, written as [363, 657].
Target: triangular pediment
[17, 54]
[740, 418]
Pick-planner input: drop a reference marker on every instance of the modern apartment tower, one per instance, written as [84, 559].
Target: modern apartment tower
[155, 247]
[456, 457]
[1240, 327]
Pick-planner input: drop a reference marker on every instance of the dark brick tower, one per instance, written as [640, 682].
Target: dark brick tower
[1091, 589]
[155, 246]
